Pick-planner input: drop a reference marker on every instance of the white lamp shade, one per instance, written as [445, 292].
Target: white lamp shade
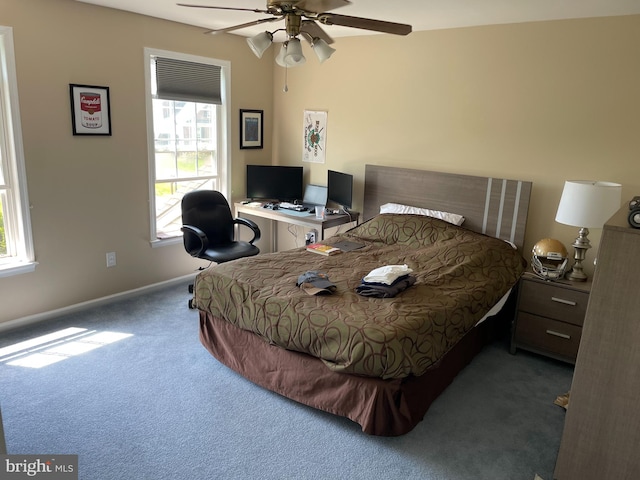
[294, 56]
[260, 43]
[322, 49]
[280, 58]
[588, 204]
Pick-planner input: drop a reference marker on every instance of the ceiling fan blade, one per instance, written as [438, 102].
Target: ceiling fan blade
[364, 23]
[256, 10]
[320, 5]
[244, 25]
[315, 31]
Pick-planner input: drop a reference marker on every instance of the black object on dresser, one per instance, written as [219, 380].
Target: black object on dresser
[549, 317]
[634, 212]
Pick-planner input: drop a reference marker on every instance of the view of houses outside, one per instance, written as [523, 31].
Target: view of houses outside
[185, 136]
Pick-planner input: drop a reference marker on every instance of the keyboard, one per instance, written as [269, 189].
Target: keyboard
[292, 206]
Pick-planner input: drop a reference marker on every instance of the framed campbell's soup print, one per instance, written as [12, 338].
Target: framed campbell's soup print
[90, 110]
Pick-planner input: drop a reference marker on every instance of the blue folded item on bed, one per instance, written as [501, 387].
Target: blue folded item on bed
[382, 290]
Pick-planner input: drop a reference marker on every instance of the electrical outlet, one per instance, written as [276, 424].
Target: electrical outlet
[310, 237]
[111, 259]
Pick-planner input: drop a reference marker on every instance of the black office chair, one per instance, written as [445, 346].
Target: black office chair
[208, 229]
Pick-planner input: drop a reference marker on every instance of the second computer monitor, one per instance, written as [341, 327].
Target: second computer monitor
[340, 188]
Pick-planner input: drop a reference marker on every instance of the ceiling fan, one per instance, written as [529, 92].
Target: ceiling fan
[301, 19]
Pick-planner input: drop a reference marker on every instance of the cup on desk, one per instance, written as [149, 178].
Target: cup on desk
[320, 212]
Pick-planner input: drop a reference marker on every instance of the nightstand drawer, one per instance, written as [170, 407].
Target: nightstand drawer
[556, 302]
[548, 335]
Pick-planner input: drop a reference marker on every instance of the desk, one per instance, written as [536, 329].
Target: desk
[302, 219]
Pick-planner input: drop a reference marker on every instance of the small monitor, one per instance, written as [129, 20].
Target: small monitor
[274, 182]
[315, 195]
[340, 188]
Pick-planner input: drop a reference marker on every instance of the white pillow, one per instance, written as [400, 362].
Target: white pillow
[399, 208]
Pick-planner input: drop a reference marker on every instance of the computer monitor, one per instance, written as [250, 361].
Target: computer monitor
[274, 182]
[340, 188]
[314, 195]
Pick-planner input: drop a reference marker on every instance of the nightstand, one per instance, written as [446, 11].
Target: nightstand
[549, 317]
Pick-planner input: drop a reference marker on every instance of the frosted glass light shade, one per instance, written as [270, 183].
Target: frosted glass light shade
[283, 52]
[294, 56]
[322, 49]
[260, 43]
[588, 204]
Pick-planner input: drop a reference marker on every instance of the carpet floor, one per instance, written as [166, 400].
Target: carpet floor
[129, 389]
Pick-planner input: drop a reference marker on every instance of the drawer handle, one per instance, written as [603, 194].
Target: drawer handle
[558, 334]
[562, 300]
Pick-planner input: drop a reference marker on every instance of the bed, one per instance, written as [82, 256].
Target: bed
[377, 361]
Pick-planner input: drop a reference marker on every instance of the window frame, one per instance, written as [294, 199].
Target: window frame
[18, 232]
[223, 123]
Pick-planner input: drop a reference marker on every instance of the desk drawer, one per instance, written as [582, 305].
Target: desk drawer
[559, 338]
[548, 300]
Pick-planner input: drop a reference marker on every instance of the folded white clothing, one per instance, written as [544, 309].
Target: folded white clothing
[387, 274]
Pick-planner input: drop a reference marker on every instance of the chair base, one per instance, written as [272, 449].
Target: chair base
[191, 299]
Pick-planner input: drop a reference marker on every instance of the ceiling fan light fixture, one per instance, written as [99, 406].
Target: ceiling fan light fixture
[322, 49]
[294, 56]
[260, 43]
[280, 58]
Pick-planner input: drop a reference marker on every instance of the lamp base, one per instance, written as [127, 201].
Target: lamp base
[580, 247]
[576, 276]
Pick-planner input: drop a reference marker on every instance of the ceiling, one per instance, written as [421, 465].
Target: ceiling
[421, 14]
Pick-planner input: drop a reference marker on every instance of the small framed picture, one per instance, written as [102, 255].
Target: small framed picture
[251, 128]
[90, 110]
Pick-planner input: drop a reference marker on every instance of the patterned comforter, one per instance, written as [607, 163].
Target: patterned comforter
[459, 274]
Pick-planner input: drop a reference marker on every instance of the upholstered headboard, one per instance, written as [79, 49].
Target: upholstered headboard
[493, 206]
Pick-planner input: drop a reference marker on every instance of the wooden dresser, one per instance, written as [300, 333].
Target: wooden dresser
[601, 437]
[549, 317]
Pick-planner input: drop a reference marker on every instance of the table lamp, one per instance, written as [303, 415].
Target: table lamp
[586, 204]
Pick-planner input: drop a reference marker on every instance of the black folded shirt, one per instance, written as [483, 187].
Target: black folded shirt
[382, 290]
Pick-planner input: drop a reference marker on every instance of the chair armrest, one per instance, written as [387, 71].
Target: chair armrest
[251, 224]
[199, 235]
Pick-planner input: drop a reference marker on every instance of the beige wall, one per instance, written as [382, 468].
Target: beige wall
[544, 102]
[89, 195]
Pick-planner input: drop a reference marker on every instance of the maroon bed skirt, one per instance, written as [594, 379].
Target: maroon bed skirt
[381, 407]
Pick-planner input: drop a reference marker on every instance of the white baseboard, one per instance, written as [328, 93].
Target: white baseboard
[40, 317]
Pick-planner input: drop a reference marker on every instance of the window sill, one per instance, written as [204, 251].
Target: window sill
[17, 268]
[163, 242]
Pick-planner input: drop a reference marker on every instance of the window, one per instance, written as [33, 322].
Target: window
[188, 128]
[16, 244]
